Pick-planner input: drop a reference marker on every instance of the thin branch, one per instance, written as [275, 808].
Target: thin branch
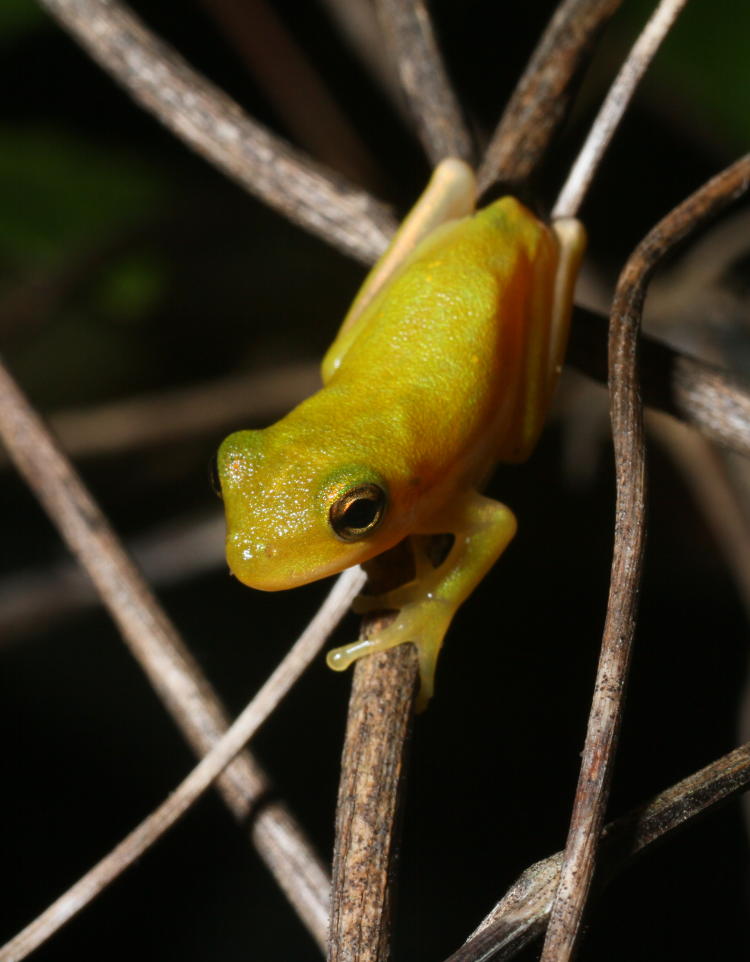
[357, 22]
[710, 399]
[613, 109]
[627, 427]
[704, 267]
[539, 103]
[294, 663]
[214, 126]
[155, 643]
[377, 731]
[705, 474]
[521, 915]
[424, 80]
[372, 766]
[146, 420]
[291, 83]
[167, 554]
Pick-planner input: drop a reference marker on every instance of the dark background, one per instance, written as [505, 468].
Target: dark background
[191, 279]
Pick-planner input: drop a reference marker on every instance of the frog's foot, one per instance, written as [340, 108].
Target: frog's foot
[422, 622]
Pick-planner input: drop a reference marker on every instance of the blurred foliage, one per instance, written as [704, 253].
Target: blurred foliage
[130, 288]
[60, 192]
[70, 216]
[18, 17]
[703, 67]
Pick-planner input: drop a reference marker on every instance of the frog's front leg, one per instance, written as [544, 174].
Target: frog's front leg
[482, 529]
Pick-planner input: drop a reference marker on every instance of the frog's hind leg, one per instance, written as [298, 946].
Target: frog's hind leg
[392, 600]
[450, 195]
[340, 658]
[422, 553]
[548, 323]
[427, 605]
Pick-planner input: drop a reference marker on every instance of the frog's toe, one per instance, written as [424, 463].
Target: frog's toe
[427, 666]
[339, 659]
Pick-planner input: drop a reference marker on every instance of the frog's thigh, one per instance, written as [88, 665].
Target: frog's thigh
[482, 530]
[450, 195]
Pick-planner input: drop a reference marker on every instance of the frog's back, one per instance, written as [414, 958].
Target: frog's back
[444, 348]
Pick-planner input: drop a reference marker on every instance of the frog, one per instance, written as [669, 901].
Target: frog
[444, 366]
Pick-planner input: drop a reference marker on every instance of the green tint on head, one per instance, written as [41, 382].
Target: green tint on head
[237, 460]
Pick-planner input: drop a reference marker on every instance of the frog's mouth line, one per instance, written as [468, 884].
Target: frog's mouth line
[266, 571]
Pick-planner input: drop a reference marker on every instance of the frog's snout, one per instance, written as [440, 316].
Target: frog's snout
[254, 564]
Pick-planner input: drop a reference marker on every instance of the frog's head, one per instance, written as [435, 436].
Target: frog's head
[291, 516]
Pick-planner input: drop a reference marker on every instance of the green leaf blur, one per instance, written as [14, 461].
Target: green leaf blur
[58, 192]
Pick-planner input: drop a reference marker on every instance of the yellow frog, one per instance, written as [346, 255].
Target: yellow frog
[444, 365]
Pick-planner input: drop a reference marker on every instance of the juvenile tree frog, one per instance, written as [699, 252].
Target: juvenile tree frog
[444, 365]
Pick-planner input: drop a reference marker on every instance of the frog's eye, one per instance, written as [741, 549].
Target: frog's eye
[358, 513]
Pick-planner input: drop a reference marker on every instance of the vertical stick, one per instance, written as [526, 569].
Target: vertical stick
[626, 409]
[380, 711]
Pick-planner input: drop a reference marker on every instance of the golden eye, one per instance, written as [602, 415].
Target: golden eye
[358, 513]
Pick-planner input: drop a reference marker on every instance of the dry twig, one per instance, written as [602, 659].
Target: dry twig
[627, 428]
[178, 550]
[154, 641]
[369, 799]
[424, 80]
[151, 829]
[293, 85]
[142, 421]
[705, 474]
[213, 125]
[380, 714]
[539, 102]
[521, 915]
[613, 109]
[710, 399]
[357, 22]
